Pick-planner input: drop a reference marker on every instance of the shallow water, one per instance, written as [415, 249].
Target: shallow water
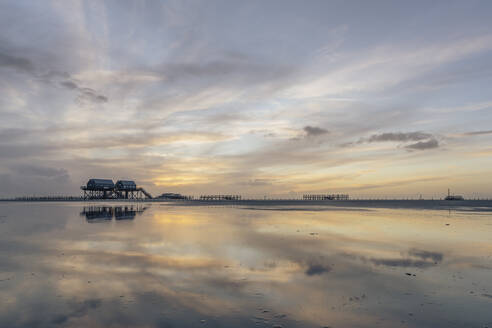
[161, 265]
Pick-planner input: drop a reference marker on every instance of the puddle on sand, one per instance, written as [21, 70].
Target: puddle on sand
[159, 266]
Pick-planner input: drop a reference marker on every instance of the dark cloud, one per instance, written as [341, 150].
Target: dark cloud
[244, 77]
[24, 179]
[69, 85]
[85, 94]
[231, 66]
[91, 95]
[25, 65]
[22, 150]
[40, 171]
[423, 145]
[317, 269]
[399, 136]
[19, 63]
[425, 140]
[313, 131]
[477, 133]
[53, 74]
[37, 69]
[7, 135]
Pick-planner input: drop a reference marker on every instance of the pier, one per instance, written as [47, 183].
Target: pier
[106, 189]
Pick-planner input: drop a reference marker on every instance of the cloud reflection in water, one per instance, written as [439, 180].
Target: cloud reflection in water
[240, 267]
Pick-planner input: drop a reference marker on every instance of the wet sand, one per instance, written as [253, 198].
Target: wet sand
[267, 264]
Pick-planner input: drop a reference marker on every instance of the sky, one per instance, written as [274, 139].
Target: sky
[276, 98]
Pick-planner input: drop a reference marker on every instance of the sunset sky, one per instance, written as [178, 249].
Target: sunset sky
[279, 98]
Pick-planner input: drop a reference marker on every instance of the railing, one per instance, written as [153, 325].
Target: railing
[220, 197]
[326, 197]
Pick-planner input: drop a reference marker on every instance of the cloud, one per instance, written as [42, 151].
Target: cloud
[19, 63]
[423, 145]
[91, 95]
[313, 131]
[399, 136]
[399, 182]
[232, 66]
[40, 171]
[25, 65]
[85, 94]
[425, 140]
[476, 133]
[20, 179]
[69, 85]
[390, 68]
[193, 103]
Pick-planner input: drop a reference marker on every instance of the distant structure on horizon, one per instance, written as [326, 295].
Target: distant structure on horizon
[220, 197]
[106, 189]
[128, 190]
[326, 197]
[453, 197]
[170, 195]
